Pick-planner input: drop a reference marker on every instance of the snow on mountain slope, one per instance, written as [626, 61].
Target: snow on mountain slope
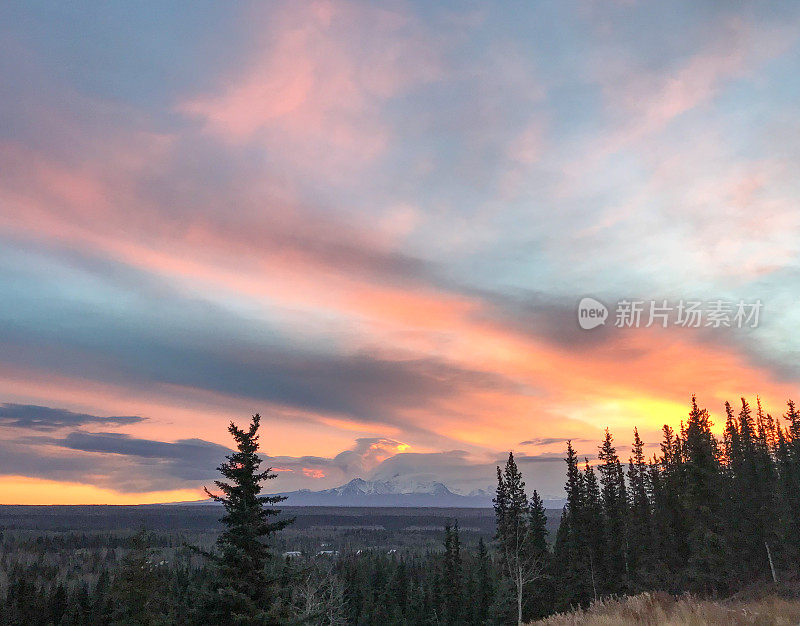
[393, 492]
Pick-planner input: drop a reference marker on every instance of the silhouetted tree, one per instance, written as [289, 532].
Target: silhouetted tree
[571, 564]
[615, 514]
[245, 594]
[639, 520]
[592, 529]
[707, 562]
[520, 561]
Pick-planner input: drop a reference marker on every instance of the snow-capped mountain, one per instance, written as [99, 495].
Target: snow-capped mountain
[359, 486]
[398, 491]
[394, 492]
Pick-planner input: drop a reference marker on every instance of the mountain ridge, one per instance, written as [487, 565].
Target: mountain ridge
[394, 492]
[360, 492]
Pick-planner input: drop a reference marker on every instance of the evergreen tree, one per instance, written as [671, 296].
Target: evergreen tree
[791, 469]
[137, 591]
[453, 577]
[752, 478]
[640, 530]
[483, 586]
[521, 564]
[669, 519]
[593, 532]
[789, 491]
[766, 504]
[571, 565]
[539, 602]
[706, 567]
[732, 444]
[538, 524]
[246, 594]
[793, 417]
[615, 513]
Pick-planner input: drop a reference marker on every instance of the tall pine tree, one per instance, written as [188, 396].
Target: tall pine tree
[570, 558]
[521, 564]
[707, 564]
[640, 529]
[615, 513]
[453, 577]
[246, 592]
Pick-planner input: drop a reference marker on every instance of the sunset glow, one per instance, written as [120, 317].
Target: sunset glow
[372, 224]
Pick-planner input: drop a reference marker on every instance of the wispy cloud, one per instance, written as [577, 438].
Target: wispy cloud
[32, 417]
[318, 79]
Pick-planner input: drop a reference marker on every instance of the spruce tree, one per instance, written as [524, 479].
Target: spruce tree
[137, 591]
[615, 513]
[592, 527]
[751, 483]
[453, 577]
[707, 563]
[245, 593]
[765, 529]
[789, 488]
[672, 523]
[732, 443]
[538, 524]
[640, 529]
[484, 588]
[793, 417]
[570, 558]
[539, 602]
[520, 563]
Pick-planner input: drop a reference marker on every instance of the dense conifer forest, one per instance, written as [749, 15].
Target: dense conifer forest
[714, 516]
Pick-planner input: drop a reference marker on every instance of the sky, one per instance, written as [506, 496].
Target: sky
[372, 223]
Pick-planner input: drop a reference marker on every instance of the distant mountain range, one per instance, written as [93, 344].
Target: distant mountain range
[360, 492]
[394, 493]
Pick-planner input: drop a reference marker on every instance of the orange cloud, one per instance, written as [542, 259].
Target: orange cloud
[400, 322]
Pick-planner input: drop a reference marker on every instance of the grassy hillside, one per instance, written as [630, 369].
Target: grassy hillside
[651, 609]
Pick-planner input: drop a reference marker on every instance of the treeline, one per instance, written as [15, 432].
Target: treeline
[139, 588]
[704, 514]
[447, 586]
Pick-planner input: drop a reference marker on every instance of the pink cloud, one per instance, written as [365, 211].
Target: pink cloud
[408, 321]
[318, 78]
[405, 321]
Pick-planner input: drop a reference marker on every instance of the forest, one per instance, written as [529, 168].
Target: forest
[710, 515]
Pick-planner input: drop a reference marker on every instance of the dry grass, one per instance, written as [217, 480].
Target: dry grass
[648, 609]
